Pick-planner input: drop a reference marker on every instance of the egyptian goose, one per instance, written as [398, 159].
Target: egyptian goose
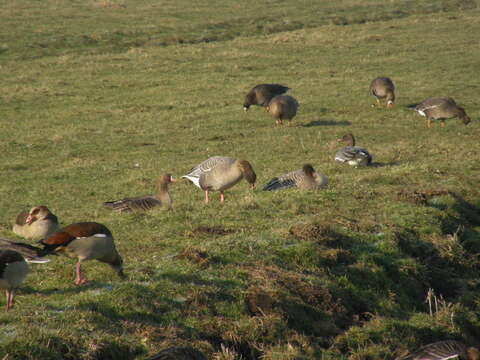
[351, 154]
[305, 178]
[283, 107]
[36, 224]
[441, 108]
[85, 241]
[443, 350]
[383, 88]
[143, 203]
[220, 173]
[179, 353]
[262, 94]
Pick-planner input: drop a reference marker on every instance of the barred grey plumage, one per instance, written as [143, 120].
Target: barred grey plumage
[443, 350]
[351, 154]
[305, 178]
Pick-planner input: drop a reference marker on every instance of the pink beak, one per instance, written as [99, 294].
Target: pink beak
[172, 179]
[30, 219]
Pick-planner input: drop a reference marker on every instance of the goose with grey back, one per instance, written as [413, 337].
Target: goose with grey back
[351, 154]
[85, 241]
[441, 108]
[443, 350]
[306, 179]
[220, 173]
[143, 203]
[36, 224]
[262, 94]
[179, 353]
[383, 88]
[283, 107]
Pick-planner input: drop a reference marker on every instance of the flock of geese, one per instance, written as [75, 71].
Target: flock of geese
[93, 241]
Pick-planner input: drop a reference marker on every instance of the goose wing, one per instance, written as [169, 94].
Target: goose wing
[140, 203]
[284, 181]
[206, 166]
[29, 252]
[442, 350]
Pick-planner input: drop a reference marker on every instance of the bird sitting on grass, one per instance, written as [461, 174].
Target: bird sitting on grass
[36, 224]
[351, 154]
[305, 178]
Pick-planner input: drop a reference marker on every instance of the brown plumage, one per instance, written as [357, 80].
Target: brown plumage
[143, 203]
[383, 88]
[443, 350]
[13, 270]
[441, 108]
[36, 224]
[305, 178]
[179, 353]
[262, 94]
[31, 253]
[283, 107]
[85, 241]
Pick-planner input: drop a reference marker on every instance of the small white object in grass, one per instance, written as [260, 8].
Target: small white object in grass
[136, 165]
[100, 235]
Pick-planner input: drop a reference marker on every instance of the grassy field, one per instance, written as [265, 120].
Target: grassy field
[97, 98]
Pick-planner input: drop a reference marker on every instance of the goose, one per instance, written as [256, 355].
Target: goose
[32, 254]
[13, 269]
[85, 241]
[283, 107]
[305, 178]
[443, 350]
[441, 108]
[179, 353]
[351, 154]
[383, 88]
[143, 203]
[220, 173]
[36, 224]
[262, 94]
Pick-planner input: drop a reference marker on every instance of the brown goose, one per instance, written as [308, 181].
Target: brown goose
[441, 108]
[36, 224]
[85, 241]
[283, 107]
[305, 178]
[32, 254]
[444, 350]
[13, 270]
[143, 203]
[220, 173]
[262, 94]
[351, 154]
[383, 88]
[179, 353]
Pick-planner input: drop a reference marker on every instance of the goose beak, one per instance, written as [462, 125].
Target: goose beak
[173, 180]
[245, 108]
[30, 219]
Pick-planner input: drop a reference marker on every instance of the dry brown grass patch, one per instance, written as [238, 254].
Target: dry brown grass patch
[420, 197]
[197, 256]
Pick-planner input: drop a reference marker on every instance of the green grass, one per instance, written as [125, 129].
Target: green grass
[98, 98]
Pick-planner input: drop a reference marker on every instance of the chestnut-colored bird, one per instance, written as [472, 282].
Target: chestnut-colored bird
[262, 94]
[85, 241]
[283, 107]
[383, 88]
[441, 108]
[144, 203]
[36, 224]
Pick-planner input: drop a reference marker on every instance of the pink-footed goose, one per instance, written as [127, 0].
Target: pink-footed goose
[443, 350]
[144, 203]
[220, 173]
[283, 107]
[383, 88]
[36, 224]
[351, 154]
[262, 94]
[441, 108]
[305, 178]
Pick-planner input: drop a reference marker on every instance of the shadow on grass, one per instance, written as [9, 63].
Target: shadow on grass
[327, 123]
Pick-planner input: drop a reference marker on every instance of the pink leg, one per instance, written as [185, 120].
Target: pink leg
[222, 197]
[10, 295]
[7, 299]
[206, 196]
[79, 280]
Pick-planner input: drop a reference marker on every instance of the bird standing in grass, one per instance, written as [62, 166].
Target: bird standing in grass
[383, 88]
[305, 178]
[220, 173]
[85, 241]
[283, 107]
[262, 94]
[351, 154]
[441, 108]
[443, 350]
[143, 203]
[36, 224]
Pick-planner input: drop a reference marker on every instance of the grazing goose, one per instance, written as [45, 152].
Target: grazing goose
[262, 94]
[179, 353]
[351, 154]
[143, 203]
[220, 173]
[305, 178]
[85, 241]
[283, 107]
[444, 350]
[441, 108]
[383, 88]
[36, 224]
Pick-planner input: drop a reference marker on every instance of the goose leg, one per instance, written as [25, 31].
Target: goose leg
[278, 123]
[442, 123]
[206, 196]
[10, 295]
[222, 197]
[429, 123]
[378, 103]
[79, 279]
